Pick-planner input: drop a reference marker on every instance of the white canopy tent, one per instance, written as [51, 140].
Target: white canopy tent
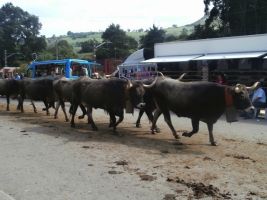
[134, 68]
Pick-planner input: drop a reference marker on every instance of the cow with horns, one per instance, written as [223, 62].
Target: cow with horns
[199, 101]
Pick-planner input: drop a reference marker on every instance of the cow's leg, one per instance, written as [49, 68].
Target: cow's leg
[141, 112]
[34, 107]
[167, 119]
[112, 119]
[64, 110]
[46, 107]
[121, 116]
[21, 100]
[84, 112]
[151, 117]
[19, 105]
[73, 110]
[211, 138]
[50, 104]
[90, 118]
[155, 119]
[56, 111]
[7, 102]
[195, 125]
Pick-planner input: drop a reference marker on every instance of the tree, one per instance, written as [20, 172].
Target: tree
[147, 41]
[19, 32]
[239, 17]
[171, 37]
[88, 46]
[61, 49]
[120, 45]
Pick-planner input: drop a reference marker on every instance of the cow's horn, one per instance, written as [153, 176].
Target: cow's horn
[181, 77]
[254, 86]
[152, 84]
[129, 83]
[160, 73]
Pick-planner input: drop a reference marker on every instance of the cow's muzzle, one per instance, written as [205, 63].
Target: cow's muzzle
[141, 105]
[250, 110]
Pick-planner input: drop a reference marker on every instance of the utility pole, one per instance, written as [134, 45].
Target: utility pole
[57, 49]
[98, 46]
[5, 52]
[7, 55]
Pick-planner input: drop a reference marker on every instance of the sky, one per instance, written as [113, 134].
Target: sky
[60, 16]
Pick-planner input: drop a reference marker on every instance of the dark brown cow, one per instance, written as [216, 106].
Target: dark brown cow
[199, 101]
[38, 90]
[63, 90]
[9, 88]
[112, 95]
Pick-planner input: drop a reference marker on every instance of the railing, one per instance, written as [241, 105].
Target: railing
[246, 77]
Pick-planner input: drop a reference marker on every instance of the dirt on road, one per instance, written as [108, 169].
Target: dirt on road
[186, 169]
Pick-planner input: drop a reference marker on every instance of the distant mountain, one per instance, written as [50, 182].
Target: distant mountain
[200, 21]
[76, 38]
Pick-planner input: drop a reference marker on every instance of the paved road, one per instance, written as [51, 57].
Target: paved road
[41, 161]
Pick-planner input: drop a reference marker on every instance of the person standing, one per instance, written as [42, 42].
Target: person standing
[17, 76]
[221, 79]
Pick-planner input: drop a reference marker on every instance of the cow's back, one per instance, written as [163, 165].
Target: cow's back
[63, 89]
[101, 93]
[38, 89]
[190, 98]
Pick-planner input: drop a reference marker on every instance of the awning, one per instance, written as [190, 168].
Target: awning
[219, 56]
[171, 59]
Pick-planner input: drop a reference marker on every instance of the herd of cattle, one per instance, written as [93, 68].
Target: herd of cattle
[199, 101]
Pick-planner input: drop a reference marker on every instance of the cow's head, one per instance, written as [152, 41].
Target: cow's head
[241, 98]
[135, 91]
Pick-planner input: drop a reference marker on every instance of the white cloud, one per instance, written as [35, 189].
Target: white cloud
[60, 16]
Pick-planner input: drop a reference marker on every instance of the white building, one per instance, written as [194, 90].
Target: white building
[242, 58]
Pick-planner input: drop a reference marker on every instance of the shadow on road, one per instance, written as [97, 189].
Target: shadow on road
[126, 133]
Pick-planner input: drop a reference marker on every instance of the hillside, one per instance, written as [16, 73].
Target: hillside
[81, 37]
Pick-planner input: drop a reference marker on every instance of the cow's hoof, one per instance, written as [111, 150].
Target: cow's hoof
[213, 144]
[55, 117]
[81, 117]
[72, 125]
[176, 137]
[94, 128]
[157, 130]
[186, 134]
[67, 120]
[138, 126]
